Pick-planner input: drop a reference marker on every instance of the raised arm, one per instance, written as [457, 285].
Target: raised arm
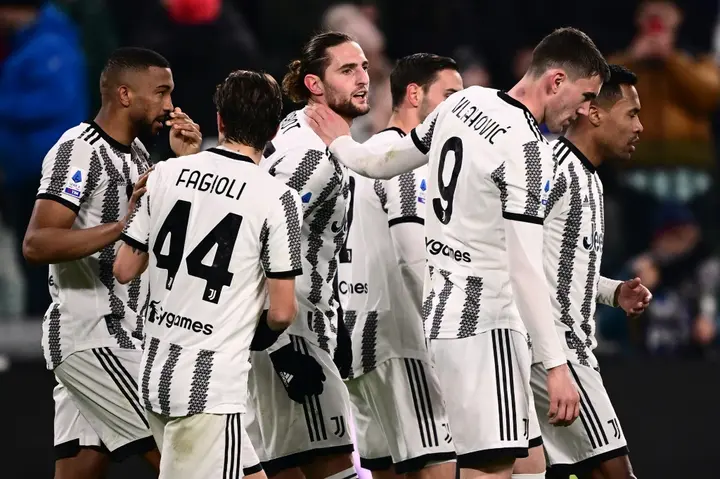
[380, 161]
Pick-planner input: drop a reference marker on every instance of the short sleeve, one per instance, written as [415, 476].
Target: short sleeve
[71, 173]
[137, 229]
[525, 180]
[422, 134]
[406, 198]
[310, 175]
[280, 243]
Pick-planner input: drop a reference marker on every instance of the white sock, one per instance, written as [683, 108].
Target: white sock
[539, 475]
[349, 473]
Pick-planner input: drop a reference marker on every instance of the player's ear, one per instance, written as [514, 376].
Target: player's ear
[314, 84]
[124, 95]
[414, 93]
[595, 115]
[220, 126]
[557, 77]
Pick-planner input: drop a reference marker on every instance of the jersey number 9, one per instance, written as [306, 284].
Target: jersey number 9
[447, 191]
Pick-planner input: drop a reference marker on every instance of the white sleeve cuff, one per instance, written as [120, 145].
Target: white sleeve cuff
[606, 291]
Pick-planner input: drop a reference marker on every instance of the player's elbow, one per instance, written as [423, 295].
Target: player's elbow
[122, 271]
[32, 250]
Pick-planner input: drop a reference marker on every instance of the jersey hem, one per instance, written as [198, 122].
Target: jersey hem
[424, 357]
[130, 241]
[68, 204]
[284, 274]
[406, 219]
[481, 330]
[110, 343]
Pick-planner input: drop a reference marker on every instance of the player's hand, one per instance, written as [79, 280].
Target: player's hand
[633, 297]
[185, 136]
[564, 397]
[326, 123]
[300, 373]
[138, 191]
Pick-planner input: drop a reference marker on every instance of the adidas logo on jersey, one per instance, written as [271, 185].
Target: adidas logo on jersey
[436, 247]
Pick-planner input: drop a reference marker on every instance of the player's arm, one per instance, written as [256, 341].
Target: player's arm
[382, 161]
[406, 219]
[64, 188]
[521, 179]
[608, 290]
[281, 258]
[131, 259]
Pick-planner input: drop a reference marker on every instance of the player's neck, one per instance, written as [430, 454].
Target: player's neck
[527, 91]
[586, 145]
[404, 118]
[348, 120]
[117, 128]
[245, 150]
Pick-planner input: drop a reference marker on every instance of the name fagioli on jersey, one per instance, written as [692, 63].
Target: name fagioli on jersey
[211, 182]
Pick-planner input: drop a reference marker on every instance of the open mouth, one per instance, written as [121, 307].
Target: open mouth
[360, 95]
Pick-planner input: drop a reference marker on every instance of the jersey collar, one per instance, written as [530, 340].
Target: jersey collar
[579, 154]
[109, 139]
[231, 154]
[512, 101]
[393, 128]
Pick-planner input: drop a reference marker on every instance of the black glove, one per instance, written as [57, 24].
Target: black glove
[264, 336]
[300, 373]
[343, 351]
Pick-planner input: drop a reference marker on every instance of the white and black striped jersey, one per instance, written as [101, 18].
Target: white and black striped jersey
[574, 230]
[215, 226]
[383, 317]
[93, 175]
[298, 157]
[488, 162]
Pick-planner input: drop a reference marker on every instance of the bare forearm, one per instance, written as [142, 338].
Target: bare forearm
[59, 245]
[378, 161]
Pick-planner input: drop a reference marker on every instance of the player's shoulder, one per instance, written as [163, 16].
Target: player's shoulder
[383, 137]
[78, 139]
[568, 156]
[511, 114]
[295, 134]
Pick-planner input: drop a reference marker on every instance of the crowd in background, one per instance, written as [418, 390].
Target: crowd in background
[662, 221]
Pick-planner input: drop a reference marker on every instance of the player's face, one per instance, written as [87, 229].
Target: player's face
[151, 99]
[621, 126]
[346, 80]
[445, 84]
[571, 98]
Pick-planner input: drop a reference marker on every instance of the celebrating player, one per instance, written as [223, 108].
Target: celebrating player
[302, 422]
[574, 232]
[221, 231]
[91, 331]
[397, 406]
[491, 172]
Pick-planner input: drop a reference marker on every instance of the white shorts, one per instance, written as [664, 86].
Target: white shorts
[399, 417]
[596, 436]
[72, 431]
[202, 446]
[287, 434]
[485, 381]
[102, 384]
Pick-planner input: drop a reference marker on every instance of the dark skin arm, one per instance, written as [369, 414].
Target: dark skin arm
[50, 238]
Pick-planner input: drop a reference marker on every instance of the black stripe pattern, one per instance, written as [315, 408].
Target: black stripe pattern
[305, 169]
[368, 345]
[417, 379]
[505, 384]
[381, 194]
[111, 214]
[265, 248]
[122, 378]
[293, 230]
[443, 297]
[589, 416]
[54, 336]
[232, 468]
[533, 172]
[570, 238]
[61, 168]
[152, 351]
[498, 177]
[587, 307]
[93, 177]
[166, 375]
[557, 192]
[314, 417]
[200, 384]
[471, 307]
[408, 195]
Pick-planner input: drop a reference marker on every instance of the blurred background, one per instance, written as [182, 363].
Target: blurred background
[662, 220]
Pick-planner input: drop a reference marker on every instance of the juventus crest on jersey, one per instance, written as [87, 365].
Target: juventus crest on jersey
[299, 158]
[487, 161]
[382, 316]
[215, 226]
[574, 232]
[93, 175]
